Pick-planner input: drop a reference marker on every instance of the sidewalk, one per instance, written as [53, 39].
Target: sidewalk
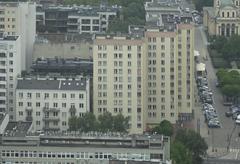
[217, 152]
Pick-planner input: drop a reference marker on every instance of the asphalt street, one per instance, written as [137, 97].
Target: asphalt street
[227, 135]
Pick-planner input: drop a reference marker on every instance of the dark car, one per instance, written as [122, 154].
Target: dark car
[228, 114]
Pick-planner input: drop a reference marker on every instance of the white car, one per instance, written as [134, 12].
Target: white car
[238, 119]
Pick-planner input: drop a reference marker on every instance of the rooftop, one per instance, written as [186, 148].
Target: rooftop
[70, 66]
[161, 3]
[7, 37]
[52, 84]
[17, 129]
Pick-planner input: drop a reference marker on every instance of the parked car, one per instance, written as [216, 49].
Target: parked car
[238, 119]
[214, 124]
[228, 114]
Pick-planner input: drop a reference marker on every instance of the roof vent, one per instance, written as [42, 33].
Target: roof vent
[77, 84]
[69, 83]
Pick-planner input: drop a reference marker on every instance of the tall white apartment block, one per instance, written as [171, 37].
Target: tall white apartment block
[147, 78]
[19, 18]
[49, 103]
[10, 68]
[117, 80]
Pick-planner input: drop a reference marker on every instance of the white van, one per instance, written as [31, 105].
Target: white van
[187, 10]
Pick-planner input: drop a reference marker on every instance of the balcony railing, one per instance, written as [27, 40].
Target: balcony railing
[29, 118]
[51, 119]
[47, 109]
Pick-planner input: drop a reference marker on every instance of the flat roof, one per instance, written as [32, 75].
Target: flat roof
[8, 38]
[33, 84]
[17, 129]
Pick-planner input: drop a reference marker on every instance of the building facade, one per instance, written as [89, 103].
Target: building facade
[87, 148]
[117, 78]
[148, 78]
[19, 18]
[223, 18]
[77, 19]
[49, 103]
[10, 67]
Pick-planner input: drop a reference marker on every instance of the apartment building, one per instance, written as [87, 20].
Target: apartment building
[10, 67]
[49, 102]
[19, 18]
[77, 19]
[117, 80]
[148, 77]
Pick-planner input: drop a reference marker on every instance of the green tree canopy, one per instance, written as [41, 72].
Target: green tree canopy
[180, 154]
[194, 143]
[165, 128]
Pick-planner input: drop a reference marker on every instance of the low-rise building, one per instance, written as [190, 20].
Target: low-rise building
[82, 148]
[75, 19]
[49, 102]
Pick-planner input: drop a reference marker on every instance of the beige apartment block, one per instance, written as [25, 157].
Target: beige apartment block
[223, 18]
[148, 78]
[118, 79]
[19, 18]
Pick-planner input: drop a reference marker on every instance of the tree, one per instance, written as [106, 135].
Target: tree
[165, 128]
[194, 143]
[120, 123]
[105, 122]
[180, 154]
[88, 122]
[73, 123]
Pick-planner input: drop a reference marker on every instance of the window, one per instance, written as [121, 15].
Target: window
[20, 95]
[38, 113]
[37, 95]
[20, 113]
[29, 95]
[46, 95]
[29, 104]
[37, 104]
[72, 95]
[64, 95]
[55, 95]
[81, 105]
[64, 105]
[55, 105]
[20, 103]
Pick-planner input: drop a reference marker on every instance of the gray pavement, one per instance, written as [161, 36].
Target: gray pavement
[217, 139]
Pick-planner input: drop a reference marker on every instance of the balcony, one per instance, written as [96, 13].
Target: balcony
[29, 118]
[46, 109]
[3, 98]
[3, 82]
[29, 109]
[51, 119]
[72, 109]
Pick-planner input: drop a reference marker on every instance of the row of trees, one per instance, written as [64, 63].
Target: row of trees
[105, 122]
[228, 47]
[229, 83]
[187, 147]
